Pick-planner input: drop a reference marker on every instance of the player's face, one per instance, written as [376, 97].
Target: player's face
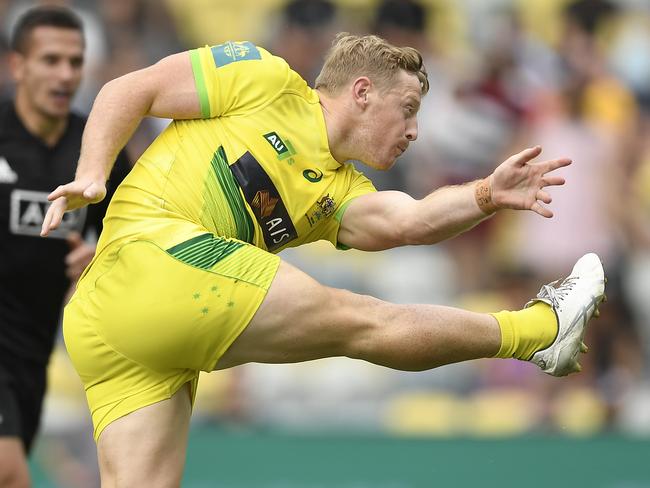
[48, 73]
[392, 121]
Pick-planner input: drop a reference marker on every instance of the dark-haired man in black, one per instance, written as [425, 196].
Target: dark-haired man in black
[39, 146]
[305, 33]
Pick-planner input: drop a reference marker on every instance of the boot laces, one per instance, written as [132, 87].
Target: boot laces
[556, 291]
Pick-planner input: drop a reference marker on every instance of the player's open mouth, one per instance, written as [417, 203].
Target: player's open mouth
[61, 95]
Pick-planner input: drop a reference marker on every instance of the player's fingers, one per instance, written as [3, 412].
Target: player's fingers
[541, 210]
[45, 227]
[553, 164]
[53, 216]
[47, 222]
[544, 196]
[520, 159]
[553, 181]
[60, 191]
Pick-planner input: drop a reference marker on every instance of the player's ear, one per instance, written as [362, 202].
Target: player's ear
[16, 63]
[360, 90]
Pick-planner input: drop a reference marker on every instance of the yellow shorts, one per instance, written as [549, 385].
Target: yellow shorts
[144, 320]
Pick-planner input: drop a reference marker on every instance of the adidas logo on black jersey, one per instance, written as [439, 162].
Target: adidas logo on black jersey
[7, 175]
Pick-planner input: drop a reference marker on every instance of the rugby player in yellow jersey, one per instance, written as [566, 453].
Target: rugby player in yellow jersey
[186, 278]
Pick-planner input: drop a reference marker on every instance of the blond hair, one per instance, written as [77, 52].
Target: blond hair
[351, 56]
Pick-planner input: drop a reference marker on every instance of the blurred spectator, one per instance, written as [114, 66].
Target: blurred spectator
[304, 34]
[587, 116]
[629, 52]
[636, 199]
[590, 116]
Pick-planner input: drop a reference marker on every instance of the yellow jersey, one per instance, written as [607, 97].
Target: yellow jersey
[257, 167]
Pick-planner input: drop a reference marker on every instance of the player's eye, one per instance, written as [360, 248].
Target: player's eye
[50, 59]
[77, 62]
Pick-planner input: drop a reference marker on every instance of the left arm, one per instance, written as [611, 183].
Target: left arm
[390, 219]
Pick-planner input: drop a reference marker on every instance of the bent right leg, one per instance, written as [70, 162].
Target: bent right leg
[146, 448]
[301, 320]
[13, 463]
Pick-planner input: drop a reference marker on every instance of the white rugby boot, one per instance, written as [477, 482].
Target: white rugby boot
[574, 300]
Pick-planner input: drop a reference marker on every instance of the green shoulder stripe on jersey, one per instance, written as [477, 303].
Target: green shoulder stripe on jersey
[243, 221]
[204, 251]
[201, 89]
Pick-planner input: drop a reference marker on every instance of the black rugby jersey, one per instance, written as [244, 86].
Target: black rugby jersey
[32, 268]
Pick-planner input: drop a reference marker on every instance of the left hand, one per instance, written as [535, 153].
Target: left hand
[79, 256]
[518, 183]
[76, 194]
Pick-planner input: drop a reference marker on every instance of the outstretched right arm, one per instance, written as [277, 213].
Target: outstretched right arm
[165, 89]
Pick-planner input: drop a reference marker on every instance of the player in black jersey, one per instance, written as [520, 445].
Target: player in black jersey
[39, 147]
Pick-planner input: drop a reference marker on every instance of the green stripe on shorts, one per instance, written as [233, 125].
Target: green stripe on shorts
[233, 259]
[250, 264]
[204, 251]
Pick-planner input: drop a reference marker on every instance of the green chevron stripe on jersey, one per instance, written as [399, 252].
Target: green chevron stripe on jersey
[204, 251]
[243, 222]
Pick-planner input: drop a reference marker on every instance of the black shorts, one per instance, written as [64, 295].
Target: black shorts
[22, 387]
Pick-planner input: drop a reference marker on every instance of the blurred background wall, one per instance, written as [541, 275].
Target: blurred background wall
[572, 76]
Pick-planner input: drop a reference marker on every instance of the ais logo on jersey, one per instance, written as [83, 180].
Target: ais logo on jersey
[284, 149]
[265, 201]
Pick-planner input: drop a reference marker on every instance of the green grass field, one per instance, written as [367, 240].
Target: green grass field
[253, 459]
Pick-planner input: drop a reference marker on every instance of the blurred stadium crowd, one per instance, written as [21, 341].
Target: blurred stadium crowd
[570, 75]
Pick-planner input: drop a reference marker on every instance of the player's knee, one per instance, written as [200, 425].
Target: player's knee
[334, 316]
[363, 319]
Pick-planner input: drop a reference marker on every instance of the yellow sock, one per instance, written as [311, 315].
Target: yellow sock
[526, 331]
